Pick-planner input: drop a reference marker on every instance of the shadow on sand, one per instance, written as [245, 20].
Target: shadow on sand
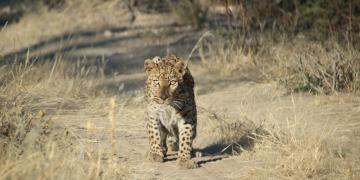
[69, 44]
[219, 151]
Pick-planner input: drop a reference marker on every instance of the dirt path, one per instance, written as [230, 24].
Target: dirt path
[123, 48]
[96, 131]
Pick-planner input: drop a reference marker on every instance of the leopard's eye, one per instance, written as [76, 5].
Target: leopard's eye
[173, 82]
[156, 82]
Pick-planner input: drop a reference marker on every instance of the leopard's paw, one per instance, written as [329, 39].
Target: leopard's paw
[155, 157]
[187, 164]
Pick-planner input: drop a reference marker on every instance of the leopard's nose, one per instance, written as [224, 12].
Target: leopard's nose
[163, 97]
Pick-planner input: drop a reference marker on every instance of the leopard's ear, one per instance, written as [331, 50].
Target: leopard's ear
[149, 64]
[181, 67]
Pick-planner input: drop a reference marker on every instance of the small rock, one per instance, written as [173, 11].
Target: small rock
[121, 87]
[108, 33]
[40, 113]
[198, 154]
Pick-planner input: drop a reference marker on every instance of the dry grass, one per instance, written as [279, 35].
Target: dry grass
[307, 66]
[189, 11]
[300, 65]
[32, 141]
[227, 59]
[299, 151]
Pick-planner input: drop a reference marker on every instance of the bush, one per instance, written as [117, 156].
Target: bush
[189, 11]
[318, 20]
[315, 68]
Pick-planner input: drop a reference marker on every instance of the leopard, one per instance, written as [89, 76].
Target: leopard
[171, 114]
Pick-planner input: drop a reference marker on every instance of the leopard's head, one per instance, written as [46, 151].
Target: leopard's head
[165, 79]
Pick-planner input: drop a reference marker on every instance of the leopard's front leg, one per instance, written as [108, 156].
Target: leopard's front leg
[157, 138]
[186, 135]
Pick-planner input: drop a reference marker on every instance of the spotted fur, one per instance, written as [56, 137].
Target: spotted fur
[171, 109]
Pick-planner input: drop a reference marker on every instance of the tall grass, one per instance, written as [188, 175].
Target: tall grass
[300, 65]
[313, 67]
[32, 143]
[298, 151]
[226, 58]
